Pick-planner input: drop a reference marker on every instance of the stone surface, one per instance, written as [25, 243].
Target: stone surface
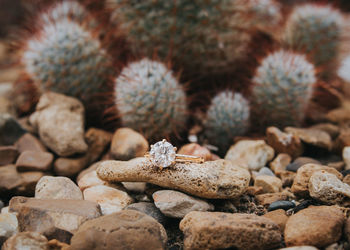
[195, 150]
[176, 204]
[287, 178]
[284, 142]
[89, 180]
[212, 179]
[8, 155]
[331, 129]
[50, 187]
[269, 184]
[149, 209]
[299, 248]
[91, 168]
[314, 226]
[110, 199]
[280, 163]
[29, 181]
[285, 205]
[265, 171]
[269, 198]
[315, 137]
[34, 161]
[301, 180]
[300, 161]
[327, 188]
[216, 230]
[136, 187]
[346, 157]
[56, 219]
[26, 241]
[29, 142]
[8, 226]
[9, 178]
[279, 217]
[347, 229]
[127, 229]
[59, 121]
[250, 154]
[346, 179]
[10, 129]
[128, 144]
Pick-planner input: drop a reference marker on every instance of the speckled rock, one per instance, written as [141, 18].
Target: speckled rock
[29, 142]
[216, 230]
[150, 209]
[218, 179]
[312, 136]
[269, 184]
[250, 154]
[8, 226]
[195, 150]
[34, 161]
[279, 217]
[59, 121]
[8, 155]
[27, 241]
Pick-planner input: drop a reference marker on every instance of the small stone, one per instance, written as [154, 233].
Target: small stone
[301, 161]
[250, 154]
[29, 181]
[89, 180]
[50, 187]
[91, 168]
[328, 188]
[315, 137]
[28, 142]
[343, 140]
[217, 230]
[69, 167]
[270, 184]
[176, 204]
[59, 121]
[314, 226]
[9, 178]
[110, 199]
[279, 217]
[265, 171]
[346, 179]
[8, 155]
[269, 198]
[28, 241]
[195, 150]
[329, 128]
[127, 229]
[34, 161]
[128, 144]
[136, 187]
[346, 157]
[284, 142]
[10, 129]
[285, 205]
[279, 164]
[149, 209]
[287, 178]
[8, 226]
[339, 165]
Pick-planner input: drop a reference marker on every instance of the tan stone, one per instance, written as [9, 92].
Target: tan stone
[287, 178]
[195, 150]
[346, 179]
[29, 142]
[270, 184]
[280, 163]
[267, 199]
[8, 155]
[87, 170]
[312, 136]
[26, 240]
[9, 178]
[90, 179]
[34, 161]
[346, 156]
[29, 181]
[279, 217]
[329, 128]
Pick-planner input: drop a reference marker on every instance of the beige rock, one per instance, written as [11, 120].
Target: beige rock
[299, 248]
[195, 150]
[279, 164]
[87, 170]
[279, 217]
[338, 165]
[269, 184]
[287, 178]
[9, 178]
[59, 121]
[301, 180]
[69, 166]
[110, 199]
[251, 154]
[346, 157]
[219, 179]
[329, 128]
[267, 199]
[89, 180]
[29, 181]
[8, 226]
[314, 226]
[136, 187]
[34, 161]
[128, 144]
[312, 136]
[50, 187]
[346, 179]
[28, 241]
[29, 142]
[216, 230]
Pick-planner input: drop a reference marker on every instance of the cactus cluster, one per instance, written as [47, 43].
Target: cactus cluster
[150, 99]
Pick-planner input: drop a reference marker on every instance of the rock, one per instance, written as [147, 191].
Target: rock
[343, 140]
[91, 168]
[10, 129]
[284, 142]
[315, 137]
[269, 198]
[56, 219]
[28, 241]
[346, 179]
[346, 157]
[59, 121]
[250, 154]
[328, 188]
[9, 178]
[269, 184]
[28, 142]
[301, 180]
[216, 230]
[176, 204]
[34, 161]
[339, 165]
[8, 155]
[301, 161]
[347, 229]
[57, 245]
[329, 128]
[50, 187]
[149, 209]
[299, 248]
[279, 217]
[29, 181]
[265, 171]
[195, 150]
[127, 229]
[8, 226]
[110, 199]
[69, 166]
[314, 226]
[1, 204]
[128, 144]
[136, 187]
[287, 178]
[279, 164]
[218, 179]
[284, 205]
[89, 180]
[4, 210]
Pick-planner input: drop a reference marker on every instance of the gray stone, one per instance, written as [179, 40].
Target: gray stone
[300, 161]
[149, 209]
[8, 226]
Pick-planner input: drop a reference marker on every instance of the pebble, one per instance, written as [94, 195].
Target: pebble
[8, 226]
[285, 205]
[252, 154]
[9, 178]
[34, 161]
[110, 199]
[128, 144]
[287, 178]
[59, 121]
[315, 137]
[279, 164]
[29, 142]
[329, 128]
[91, 168]
[217, 230]
[69, 167]
[10, 129]
[176, 204]
[346, 179]
[135, 187]
[314, 226]
[8, 155]
[89, 180]
[195, 150]
[26, 241]
[265, 171]
[346, 157]
[29, 181]
[220, 179]
[60, 187]
[150, 209]
[269, 184]
[279, 217]
[301, 161]
[127, 229]
[267, 199]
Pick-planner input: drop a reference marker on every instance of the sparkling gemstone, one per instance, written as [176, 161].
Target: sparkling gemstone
[162, 154]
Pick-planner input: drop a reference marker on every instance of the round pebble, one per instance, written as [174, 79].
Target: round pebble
[285, 205]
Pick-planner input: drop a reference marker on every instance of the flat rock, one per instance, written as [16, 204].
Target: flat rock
[127, 229]
[150, 209]
[315, 137]
[8, 226]
[34, 161]
[279, 164]
[8, 155]
[29, 142]
[195, 150]
[56, 219]
[217, 230]
[176, 204]
[10, 129]
[314, 226]
[50, 187]
[301, 161]
[269, 184]
[218, 179]
[91, 168]
[279, 217]
[28, 241]
[9, 178]
[128, 144]
[250, 154]
[59, 121]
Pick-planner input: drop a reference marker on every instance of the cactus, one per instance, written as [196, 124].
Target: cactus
[227, 117]
[149, 99]
[282, 88]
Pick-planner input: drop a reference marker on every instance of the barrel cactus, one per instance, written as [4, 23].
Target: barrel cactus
[283, 85]
[227, 117]
[149, 99]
